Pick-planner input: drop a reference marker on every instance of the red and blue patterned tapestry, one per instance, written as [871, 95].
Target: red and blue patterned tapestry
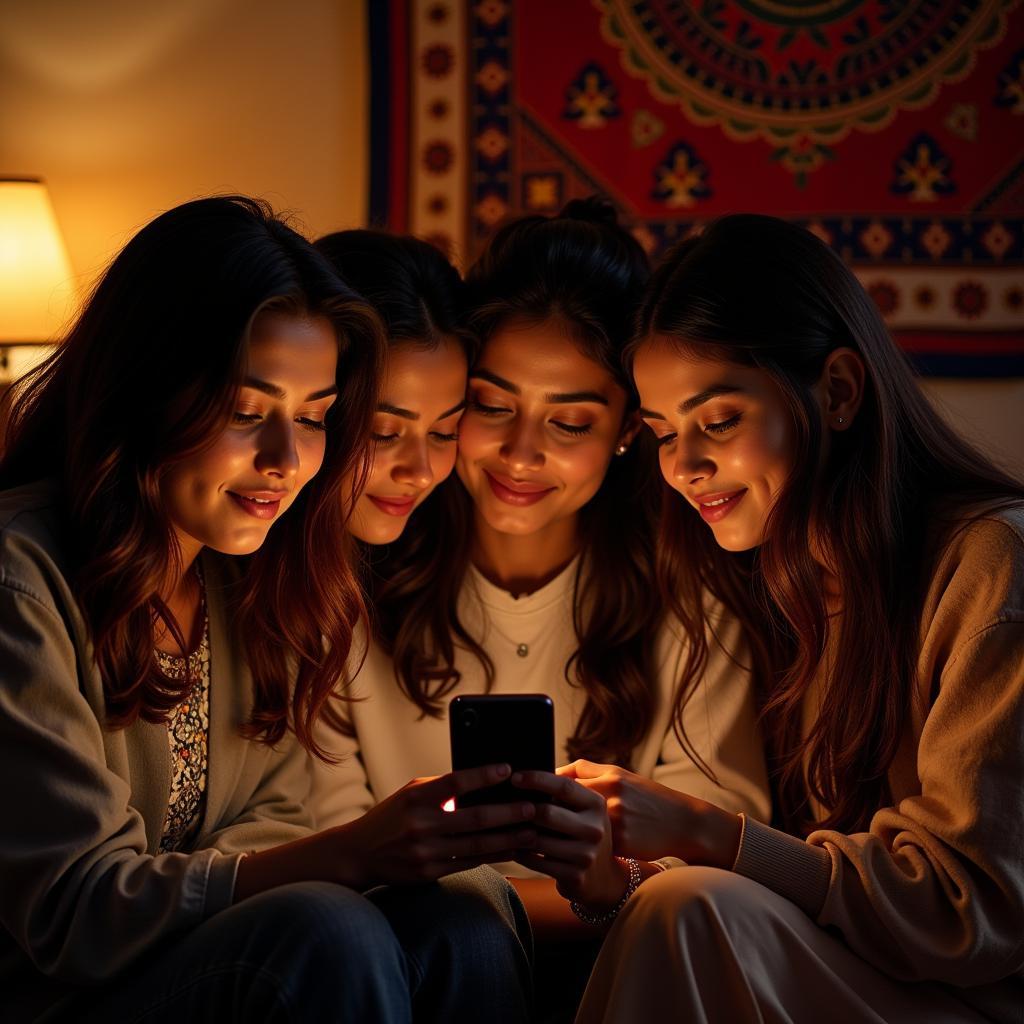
[894, 130]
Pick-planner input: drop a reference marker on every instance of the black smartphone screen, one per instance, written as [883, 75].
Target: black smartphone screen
[516, 729]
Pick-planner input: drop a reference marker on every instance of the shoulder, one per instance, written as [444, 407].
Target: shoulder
[32, 556]
[979, 556]
[977, 580]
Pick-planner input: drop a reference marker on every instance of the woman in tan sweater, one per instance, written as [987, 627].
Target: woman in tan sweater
[878, 562]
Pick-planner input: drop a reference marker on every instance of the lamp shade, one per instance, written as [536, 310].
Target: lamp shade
[36, 282]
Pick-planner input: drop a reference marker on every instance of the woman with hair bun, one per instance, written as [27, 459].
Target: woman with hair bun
[877, 562]
[159, 700]
[536, 574]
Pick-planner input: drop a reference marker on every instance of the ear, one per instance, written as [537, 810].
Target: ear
[631, 426]
[841, 388]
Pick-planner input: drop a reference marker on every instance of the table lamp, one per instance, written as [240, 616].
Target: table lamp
[36, 281]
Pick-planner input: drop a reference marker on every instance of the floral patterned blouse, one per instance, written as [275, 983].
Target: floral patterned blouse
[187, 733]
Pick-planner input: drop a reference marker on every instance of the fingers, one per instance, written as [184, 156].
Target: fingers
[563, 790]
[570, 875]
[500, 845]
[582, 769]
[587, 828]
[442, 787]
[487, 816]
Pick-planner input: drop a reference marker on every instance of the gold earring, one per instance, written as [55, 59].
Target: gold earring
[622, 449]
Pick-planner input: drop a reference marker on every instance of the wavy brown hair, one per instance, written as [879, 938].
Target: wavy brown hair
[759, 292]
[585, 271]
[147, 376]
[420, 298]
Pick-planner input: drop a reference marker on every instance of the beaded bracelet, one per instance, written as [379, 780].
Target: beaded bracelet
[635, 877]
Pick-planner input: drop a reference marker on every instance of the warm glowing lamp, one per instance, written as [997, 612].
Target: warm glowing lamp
[35, 275]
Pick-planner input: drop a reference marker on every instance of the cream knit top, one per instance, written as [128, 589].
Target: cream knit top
[394, 743]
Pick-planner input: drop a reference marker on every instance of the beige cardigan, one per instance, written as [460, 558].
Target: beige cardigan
[934, 890]
[83, 890]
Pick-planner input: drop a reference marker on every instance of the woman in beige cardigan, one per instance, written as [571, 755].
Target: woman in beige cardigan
[158, 700]
[878, 563]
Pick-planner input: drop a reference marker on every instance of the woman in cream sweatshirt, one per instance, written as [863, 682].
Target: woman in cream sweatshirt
[878, 563]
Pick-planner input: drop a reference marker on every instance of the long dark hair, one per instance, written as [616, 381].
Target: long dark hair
[584, 270]
[758, 292]
[421, 300]
[147, 376]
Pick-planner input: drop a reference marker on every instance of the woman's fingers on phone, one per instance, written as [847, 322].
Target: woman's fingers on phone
[565, 874]
[566, 851]
[501, 845]
[583, 827]
[486, 816]
[444, 787]
[561, 789]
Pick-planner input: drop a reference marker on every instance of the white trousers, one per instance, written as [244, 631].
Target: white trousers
[707, 946]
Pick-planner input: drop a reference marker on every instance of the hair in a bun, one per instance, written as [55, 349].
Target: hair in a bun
[595, 209]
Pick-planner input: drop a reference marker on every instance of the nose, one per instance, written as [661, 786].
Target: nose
[520, 450]
[277, 454]
[412, 467]
[691, 464]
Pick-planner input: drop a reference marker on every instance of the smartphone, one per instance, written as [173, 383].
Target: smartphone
[516, 729]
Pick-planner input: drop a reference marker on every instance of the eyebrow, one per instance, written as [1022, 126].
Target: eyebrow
[408, 414]
[689, 404]
[278, 392]
[553, 398]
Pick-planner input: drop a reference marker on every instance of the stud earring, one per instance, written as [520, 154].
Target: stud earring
[622, 449]
[840, 421]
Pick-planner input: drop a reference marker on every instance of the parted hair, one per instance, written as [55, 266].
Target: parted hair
[759, 292]
[148, 375]
[584, 271]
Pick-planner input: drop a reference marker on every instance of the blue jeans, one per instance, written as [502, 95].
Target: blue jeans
[456, 951]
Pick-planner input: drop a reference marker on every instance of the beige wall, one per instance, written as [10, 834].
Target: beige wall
[128, 107]
[989, 412]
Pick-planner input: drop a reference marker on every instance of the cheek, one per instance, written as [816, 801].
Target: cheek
[207, 472]
[442, 462]
[312, 449]
[380, 469]
[583, 466]
[475, 438]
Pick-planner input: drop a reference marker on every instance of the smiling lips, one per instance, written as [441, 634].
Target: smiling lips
[714, 507]
[259, 504]
[516, 492]
[393, 506]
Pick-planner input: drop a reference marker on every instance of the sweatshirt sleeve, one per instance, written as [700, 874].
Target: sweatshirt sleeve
[934, 890]
[78, 892]
[720, 719]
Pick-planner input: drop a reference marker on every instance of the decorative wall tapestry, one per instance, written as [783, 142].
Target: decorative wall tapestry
[892, 129]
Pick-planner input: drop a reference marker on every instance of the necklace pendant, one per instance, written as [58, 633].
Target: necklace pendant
[523, 650]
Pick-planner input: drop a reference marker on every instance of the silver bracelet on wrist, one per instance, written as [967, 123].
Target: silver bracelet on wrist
[588, 916]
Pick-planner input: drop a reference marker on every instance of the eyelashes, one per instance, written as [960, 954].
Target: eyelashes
[723, 426]
[720, 427]
[386, 440]
[572, 429]
[249, 418]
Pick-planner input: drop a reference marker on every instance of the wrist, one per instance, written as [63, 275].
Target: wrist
[341, 857]
[598, 915]
[607, 893]
[720, 838]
